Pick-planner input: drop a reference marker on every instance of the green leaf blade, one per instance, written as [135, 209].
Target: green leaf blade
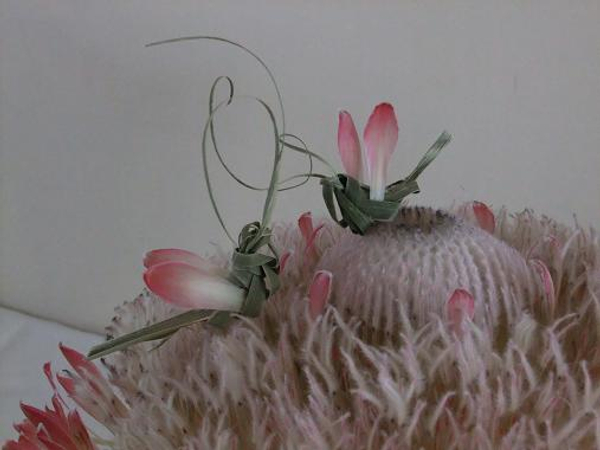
[153, 332]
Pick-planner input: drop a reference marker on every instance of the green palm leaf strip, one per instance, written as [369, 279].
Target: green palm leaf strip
[159, 330]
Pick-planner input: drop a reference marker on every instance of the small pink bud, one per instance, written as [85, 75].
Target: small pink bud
[319, 293]
[305, 223]
[485, 217]
[461, 304]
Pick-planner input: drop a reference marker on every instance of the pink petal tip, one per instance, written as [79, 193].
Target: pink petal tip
[485, 216]
[84, 367]
[305, 223]
[67, 383]
[381, 137]
[349, 145]
[319, 293]
[311, 249]
[461, 304]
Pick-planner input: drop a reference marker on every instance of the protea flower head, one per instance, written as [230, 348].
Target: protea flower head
[59, 427]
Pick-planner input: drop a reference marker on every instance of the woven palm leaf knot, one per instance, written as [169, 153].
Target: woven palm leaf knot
[358, 209]
[253, 271]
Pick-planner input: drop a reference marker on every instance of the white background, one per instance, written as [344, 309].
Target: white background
[99, 136]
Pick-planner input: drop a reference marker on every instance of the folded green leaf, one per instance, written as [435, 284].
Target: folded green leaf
[358, 211]
[443, 140]
[397, 191]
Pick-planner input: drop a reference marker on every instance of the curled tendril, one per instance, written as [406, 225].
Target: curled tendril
[231, 173]
[281, 139]
[278, 150]
[240, 46]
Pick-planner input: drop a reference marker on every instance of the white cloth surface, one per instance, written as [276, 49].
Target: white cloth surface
[26, 343]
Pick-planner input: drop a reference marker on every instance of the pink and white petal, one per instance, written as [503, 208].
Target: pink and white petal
[485, 217]
[189, 287]
[83, 366]
[460, 305]
[89, 398]
[381, 137]
[305, 223]
[349, 145]
[87, 372]
[67, 383]
[91, 379]
[48, 372]
[319, 293]
[159, 256]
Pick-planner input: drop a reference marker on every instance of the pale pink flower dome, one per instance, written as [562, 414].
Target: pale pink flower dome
[419, 260]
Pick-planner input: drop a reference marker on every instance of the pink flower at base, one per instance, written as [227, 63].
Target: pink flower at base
[90, 389]
[53, 428]
[187, 280]
[380, 137]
